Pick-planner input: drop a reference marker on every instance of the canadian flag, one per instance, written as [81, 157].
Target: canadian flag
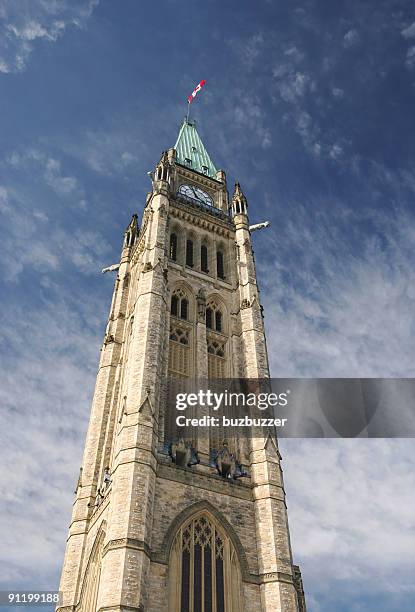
[196, 89]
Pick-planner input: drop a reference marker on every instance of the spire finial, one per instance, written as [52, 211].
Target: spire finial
[239, 202]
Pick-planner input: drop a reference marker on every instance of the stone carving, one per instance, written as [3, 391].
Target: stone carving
[245, 304]
[201, 305]
[106, 480]
[226, 463]
[103, 489]
[79, 483]
[182, 453]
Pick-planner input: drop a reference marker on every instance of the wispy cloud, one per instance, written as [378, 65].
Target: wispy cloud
[339, 512]
[52, 172]
[47, 380]
[342, 302]
[33, 218]
[24, 24]
[410, 57]
[351, 38]
[409, 31]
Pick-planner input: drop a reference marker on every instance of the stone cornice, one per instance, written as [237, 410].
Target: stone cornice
[199, 217]
[199, 178]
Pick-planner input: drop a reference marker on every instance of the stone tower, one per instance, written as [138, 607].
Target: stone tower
[163, 524]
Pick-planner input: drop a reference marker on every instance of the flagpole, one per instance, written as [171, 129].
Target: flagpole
[193, 94]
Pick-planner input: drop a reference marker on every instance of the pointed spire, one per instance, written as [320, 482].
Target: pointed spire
[190, 150]
[239, 202]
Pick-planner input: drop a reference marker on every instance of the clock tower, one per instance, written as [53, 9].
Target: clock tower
[160, 523]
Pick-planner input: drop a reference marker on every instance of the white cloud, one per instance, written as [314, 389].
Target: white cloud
[410, 57]
[334, 311]
[294, 54]
[351, 38]
[335, 151]
[27, 222]
[128, 158]
[23, 24]
[47, 381]
[52, 171]
[409, 32]
[297, 88]
[252, 49]
[108, 151]
[345, 517]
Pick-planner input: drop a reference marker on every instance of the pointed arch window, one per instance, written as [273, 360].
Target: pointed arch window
[204, 572]
[204, 259]
[90, 586]
[180, 351]
[174, 307]
[179, 305]
[218, 321]
[184, 309]
[209, 318]
[189, 253]
[173, 247]
[214, 318]
[220, 268]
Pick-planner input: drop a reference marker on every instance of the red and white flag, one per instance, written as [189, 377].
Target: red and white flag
[196, 89]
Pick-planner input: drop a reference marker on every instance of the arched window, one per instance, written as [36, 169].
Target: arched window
[180, 335]
[90, 586]
[218, 321]
[214, 319]
[184, 309]
[173, 247]
[189, 253]
[216, 341]
[209, 318]
[179, 305]
[204, 260]
[174, 307]
[220, 269]
[204, 572]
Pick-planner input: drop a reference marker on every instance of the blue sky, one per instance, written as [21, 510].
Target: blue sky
[309, 105]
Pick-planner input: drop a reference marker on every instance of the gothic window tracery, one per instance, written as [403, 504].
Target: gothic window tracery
[204, 571]
[216, 359]
[89, 594]
[180, 353]
[214, 317]
[216, 341]
[179, 305]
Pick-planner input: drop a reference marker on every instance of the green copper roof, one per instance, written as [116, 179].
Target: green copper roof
[191, 152]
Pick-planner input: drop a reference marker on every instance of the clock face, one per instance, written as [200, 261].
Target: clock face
[196, 194]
